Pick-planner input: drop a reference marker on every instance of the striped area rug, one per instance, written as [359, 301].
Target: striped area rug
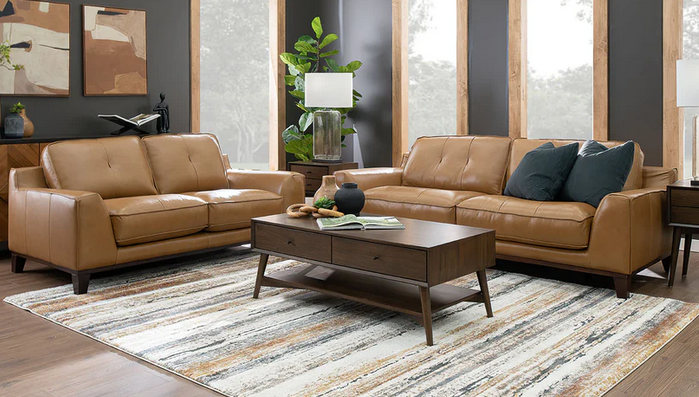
[198, 320]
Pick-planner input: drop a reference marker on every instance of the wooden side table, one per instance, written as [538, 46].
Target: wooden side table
[314, 172]
[683, 215]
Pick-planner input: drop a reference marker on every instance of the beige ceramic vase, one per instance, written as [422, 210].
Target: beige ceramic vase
[327, 189]
[28, 125]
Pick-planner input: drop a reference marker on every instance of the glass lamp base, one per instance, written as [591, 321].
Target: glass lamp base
[327, 136]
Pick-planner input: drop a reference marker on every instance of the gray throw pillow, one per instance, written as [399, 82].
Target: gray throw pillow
[542, 172]
[597, 172]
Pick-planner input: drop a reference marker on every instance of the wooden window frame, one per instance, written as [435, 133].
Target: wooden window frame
[517, 67]
[277, 87]
[673, 117]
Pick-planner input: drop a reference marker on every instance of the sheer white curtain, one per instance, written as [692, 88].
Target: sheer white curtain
[235, 78]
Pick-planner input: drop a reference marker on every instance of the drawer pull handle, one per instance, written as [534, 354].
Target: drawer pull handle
[289, 242]
[376, 258]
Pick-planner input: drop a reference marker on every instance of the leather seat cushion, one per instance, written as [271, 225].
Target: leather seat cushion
[545, 223]
[231, 209]
[416, 202]
[144, 219]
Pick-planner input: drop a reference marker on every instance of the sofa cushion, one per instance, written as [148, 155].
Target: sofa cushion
[110, 167]
[545, 223]
[542, 172]
[186, 163]
[143, 219]
[415, 202]
[598, 171]
[465, 163]
[522, 146]
[231, 209]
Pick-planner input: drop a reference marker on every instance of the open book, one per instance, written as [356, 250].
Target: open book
[351, 222]
[135, 121]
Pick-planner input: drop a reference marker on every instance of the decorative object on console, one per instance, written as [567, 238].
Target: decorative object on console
[350, 199]
[163, 110]
[597, 172]
[37, 39]
[323, 208]
[328, 91]
[327, 189]
[114, 51]
[17, 124]
[542, 172]
[134, 123]
[308, 59]
[688, 97]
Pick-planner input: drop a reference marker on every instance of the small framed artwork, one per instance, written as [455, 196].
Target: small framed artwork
[114, 51]
[38, 34]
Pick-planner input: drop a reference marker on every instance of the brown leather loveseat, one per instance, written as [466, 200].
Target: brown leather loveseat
[98, 204]
[460, 179]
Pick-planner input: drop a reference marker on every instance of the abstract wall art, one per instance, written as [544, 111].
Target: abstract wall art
[38, 34]
[114, 51]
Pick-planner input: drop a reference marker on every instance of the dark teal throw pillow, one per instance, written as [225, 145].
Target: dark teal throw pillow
[542, 172]
[597, 172]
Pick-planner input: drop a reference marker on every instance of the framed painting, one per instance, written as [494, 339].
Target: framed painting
[114, 51]
[38, 34]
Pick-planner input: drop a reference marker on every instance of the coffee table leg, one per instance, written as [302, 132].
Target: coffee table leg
[426, 313]
[483, 281]
[260, 274]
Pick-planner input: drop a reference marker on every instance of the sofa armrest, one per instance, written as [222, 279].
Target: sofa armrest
[368, 178]
[290, 185]
[658, 177]
[629, 231]
[67, 228]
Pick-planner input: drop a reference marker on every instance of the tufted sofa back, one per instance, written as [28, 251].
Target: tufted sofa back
[111, 167]
[473, 163]
[186, 163]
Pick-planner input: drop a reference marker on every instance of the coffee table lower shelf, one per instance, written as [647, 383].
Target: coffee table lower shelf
[417, 301]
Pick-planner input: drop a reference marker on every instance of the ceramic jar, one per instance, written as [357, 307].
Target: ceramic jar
[28, 125]
[327, 188]
[349, 199]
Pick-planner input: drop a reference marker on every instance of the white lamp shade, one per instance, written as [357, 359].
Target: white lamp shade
[328, 90]
[688, 83]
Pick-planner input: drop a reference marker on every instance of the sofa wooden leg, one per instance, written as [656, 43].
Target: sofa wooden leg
[622, 284]
[18, 263]
[80, 283]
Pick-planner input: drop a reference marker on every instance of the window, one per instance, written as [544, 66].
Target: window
[559, 77]
[235, 78]
[690, 50]
[431, 68]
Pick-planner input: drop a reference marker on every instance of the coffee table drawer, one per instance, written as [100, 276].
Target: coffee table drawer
[307, 245]
[384, 259]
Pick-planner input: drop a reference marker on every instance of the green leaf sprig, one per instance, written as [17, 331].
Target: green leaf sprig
[324, 202]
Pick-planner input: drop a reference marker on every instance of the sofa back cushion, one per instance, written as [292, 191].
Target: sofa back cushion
[522, 146]
[110, 167]
[186, 163]
[474, 163]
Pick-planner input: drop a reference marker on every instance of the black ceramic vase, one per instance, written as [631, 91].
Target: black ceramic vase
[349, 199]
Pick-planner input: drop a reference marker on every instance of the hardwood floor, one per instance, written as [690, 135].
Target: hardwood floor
[39, 358]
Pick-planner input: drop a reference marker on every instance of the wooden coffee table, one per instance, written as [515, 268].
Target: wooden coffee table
[400, 270]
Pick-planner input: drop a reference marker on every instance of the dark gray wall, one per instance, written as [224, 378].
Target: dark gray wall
[364, 28]
[168, 71]
[487, 67]
[636, 75]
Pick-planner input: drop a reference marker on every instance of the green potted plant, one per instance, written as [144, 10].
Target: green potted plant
[310, 58]
[17, 125]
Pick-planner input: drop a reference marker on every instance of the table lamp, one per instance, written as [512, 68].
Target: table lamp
[328, 91]
[688, 97]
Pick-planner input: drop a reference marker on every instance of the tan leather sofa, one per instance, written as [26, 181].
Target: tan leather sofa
[104, 203]
[461, 179]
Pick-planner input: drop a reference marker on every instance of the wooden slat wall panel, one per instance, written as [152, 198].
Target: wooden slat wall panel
[673, 128]
[600, 68]
[400, 80]
[517, 48]
[462, 67]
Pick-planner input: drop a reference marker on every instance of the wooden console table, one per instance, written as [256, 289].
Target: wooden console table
[314, 172]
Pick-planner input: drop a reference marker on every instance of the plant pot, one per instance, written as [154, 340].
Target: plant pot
[28, 125]
[14, 126]
[327, 189]
[349, 199]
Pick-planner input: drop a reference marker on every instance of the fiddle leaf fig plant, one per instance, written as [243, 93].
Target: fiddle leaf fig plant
[5, 58]
[311, 57]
